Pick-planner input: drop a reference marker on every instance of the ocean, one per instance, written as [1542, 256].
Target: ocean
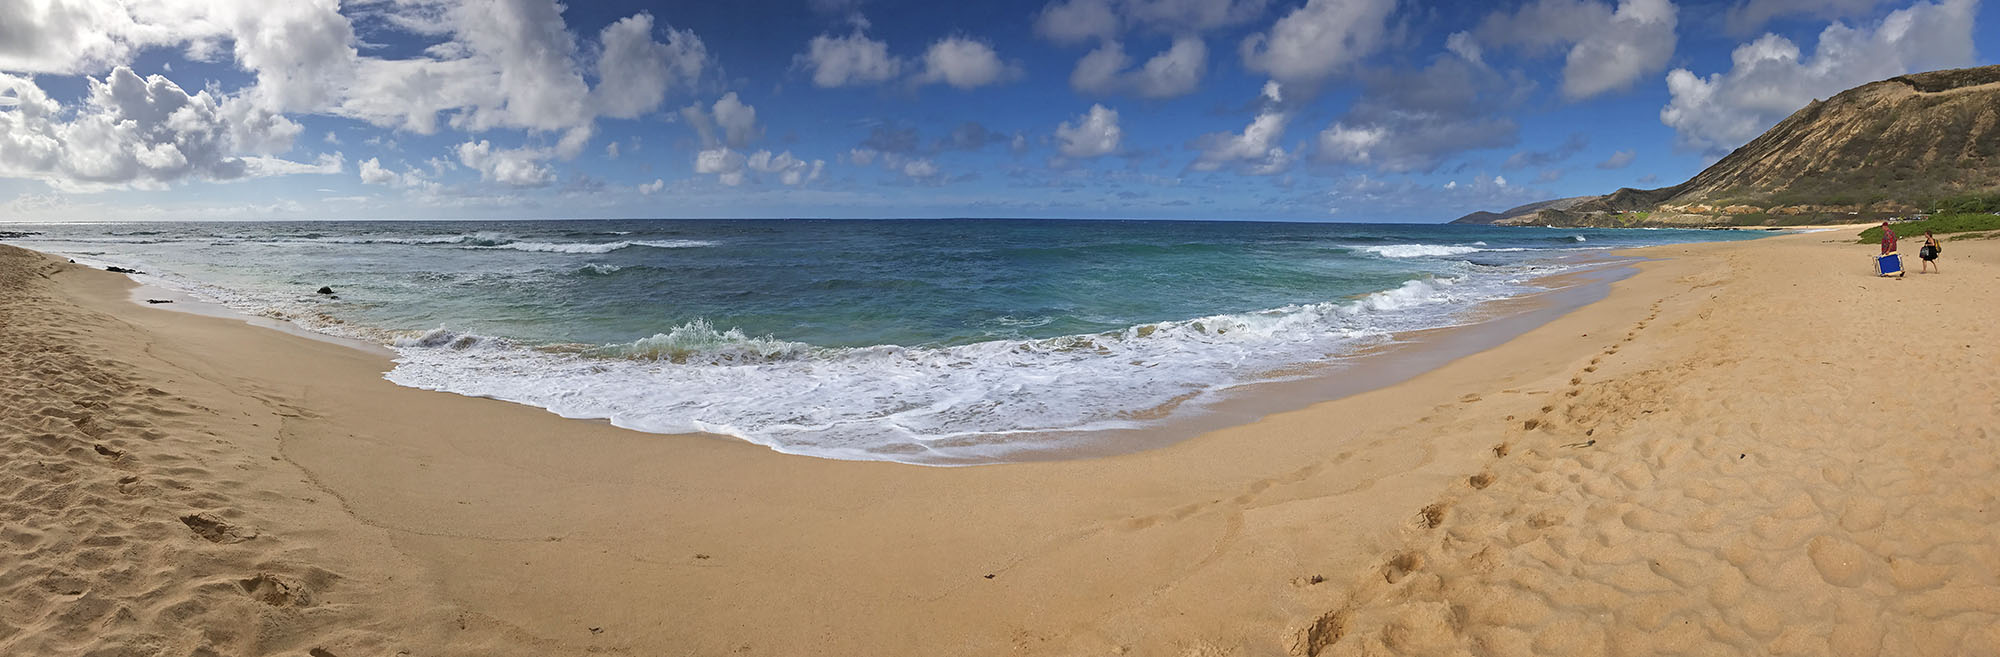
[919, 341]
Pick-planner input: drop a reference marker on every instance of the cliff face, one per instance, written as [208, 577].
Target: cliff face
[1882, 148]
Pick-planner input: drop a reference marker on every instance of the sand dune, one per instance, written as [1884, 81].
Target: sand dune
[1750, 448]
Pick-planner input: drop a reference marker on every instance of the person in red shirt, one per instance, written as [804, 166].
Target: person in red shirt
[1888, 239]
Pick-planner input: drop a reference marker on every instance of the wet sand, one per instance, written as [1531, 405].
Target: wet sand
[1749, 447]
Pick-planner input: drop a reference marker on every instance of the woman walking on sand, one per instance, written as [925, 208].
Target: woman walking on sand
[1929, 254]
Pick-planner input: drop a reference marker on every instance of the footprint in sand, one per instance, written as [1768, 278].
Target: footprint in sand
[214, 529]
[276, 591]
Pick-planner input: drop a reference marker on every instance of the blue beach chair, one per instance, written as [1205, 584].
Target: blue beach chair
[1890, 264]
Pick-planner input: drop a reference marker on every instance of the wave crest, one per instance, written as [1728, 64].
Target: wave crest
[1419, 250]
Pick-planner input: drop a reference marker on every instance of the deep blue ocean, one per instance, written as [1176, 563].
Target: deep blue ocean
[921, 341]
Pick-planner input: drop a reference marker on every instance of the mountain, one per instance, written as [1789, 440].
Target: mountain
[1880, 149]
[1501, 217]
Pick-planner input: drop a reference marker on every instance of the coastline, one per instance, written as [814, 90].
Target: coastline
[468, 526]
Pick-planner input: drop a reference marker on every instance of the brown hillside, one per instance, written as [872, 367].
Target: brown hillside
[1880, 148]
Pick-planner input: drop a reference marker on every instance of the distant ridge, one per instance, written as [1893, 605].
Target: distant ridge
[1883, 148]
[1521, 210]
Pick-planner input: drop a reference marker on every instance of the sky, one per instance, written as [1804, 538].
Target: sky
[1321, 110]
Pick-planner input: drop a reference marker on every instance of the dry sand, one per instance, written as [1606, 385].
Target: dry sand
[1750, 448]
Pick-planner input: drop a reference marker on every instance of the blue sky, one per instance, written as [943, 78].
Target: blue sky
[1325, 110]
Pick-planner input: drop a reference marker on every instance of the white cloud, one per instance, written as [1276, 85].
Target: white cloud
[372, 173]
[1076, 21]
[1319, 39]
[652, 188]
[1352, 144]
[1618, 160]
[965, 64]
[729, 122]
[1176, 71]
[1462, 44]
[1770, 78]
[863, 156]
[494, 64]
[611, 151]
[850, 60]
[1095, 133]
[732, 168]
[518, 167]
[726, 164]
[789, 169]
[920, 169]
[1256, 149]
[325, 164]
[133, 131]
[634, 72]
[1608, 47]
[1073, 21]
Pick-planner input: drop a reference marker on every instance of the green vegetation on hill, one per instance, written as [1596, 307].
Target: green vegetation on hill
[1941, 225]
[1968, 204]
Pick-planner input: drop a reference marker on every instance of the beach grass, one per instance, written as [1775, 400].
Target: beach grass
[1939, 224]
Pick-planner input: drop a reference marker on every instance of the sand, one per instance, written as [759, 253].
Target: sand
[1748, 448]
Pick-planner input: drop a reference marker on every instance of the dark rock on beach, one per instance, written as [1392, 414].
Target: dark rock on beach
[326, 290]
[121, 270]
[159, 301]
[14, 234]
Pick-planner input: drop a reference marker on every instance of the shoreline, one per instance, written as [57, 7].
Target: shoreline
[444, 524]
[1405, 354]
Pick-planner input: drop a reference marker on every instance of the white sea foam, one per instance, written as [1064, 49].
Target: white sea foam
[1419, 250]
[967, 403]
[592, 247]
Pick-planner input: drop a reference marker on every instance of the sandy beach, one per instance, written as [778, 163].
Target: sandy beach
[1747, 448]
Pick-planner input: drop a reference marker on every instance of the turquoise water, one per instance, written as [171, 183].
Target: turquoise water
[933, 341]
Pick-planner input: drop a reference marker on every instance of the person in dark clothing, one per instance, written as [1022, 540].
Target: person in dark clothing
[1930, 253]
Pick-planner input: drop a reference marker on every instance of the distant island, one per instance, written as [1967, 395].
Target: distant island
[1906, 145]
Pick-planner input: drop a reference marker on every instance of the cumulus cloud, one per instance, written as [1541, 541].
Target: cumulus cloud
[1618, 160]
[1255, 150]
[134, 131]
[373, 173]
[494, 64]
[518, 167]
[732, 168]
[1075, 21]
[1770, 78]
[920, 169]
[652, 188]
[639, 70]
[729, 122]
[964, 63]
[1608, 48]
[1413, 120]
[855, 59]
[727, 165]
[1091, 134]
[1176, 71]
[1319, 39]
